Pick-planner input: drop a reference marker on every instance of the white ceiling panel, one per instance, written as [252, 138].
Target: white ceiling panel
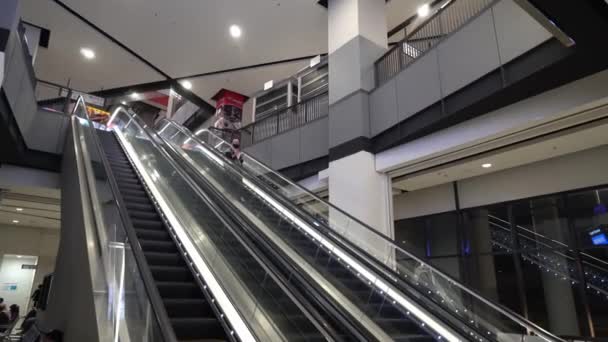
[185, 37]
[62, 61]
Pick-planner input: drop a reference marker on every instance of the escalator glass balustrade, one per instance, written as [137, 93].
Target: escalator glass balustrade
[385, 287]
[245, 295]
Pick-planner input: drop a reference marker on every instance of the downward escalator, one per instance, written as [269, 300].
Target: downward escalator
[190, 314]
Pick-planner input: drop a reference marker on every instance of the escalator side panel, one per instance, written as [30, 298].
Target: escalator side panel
[191, 316]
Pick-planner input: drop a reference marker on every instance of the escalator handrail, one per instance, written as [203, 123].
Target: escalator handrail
[530, 326]
[156, 302]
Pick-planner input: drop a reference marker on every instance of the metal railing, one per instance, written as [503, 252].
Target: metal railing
[447, 19]
[286, 119]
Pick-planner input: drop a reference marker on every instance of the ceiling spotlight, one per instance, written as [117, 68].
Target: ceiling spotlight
[186, 84]
[424, 10]
[235, 31]
[134, 96]
[19, 209]
[486, 165]
[15, 221]
[124, 103]
[87, 53]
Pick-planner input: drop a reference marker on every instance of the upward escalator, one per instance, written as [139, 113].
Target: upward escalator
[191, 316]
[393, 294]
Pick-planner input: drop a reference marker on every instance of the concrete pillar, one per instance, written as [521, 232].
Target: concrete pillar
[9, 18]
[357, 37]
[9, 14]
[356, 187]
[484, 277]
[559, 294]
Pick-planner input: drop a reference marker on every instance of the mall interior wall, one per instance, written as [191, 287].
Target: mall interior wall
[40, 242]
[568, 172]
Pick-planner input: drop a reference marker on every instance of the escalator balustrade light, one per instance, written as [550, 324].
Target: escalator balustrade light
[405, 303]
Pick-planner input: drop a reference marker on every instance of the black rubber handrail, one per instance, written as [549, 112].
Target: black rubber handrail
[495, 306]
[156, 302]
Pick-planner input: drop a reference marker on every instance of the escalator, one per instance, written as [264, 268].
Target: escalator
[170, 266]
[191, 316]
[390, 292]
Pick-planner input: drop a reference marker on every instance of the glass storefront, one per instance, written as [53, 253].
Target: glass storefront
[544, 257]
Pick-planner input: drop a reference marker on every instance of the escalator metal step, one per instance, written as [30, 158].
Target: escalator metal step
[158, 246]
[171, 273]
[188, 307]
[153, 234]
[196, 328]
[169, 259]
[179, 289]
[146, 224]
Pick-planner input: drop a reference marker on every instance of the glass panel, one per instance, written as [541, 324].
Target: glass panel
[127, 307]
[470, 312]
[227, 265]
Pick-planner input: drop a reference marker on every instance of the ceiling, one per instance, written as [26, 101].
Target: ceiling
[40, 207]
[183, 38]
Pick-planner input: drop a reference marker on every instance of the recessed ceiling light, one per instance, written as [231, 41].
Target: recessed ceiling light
[235, 31]
[186, 84]
[19, 209]
[124, 103]
[424, 10]
[135, 96]
[19, 256]
[87, 53]
[15, 221]
[486, 165]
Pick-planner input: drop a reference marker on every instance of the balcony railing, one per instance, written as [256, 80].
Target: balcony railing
[286, 119]
[447, 19]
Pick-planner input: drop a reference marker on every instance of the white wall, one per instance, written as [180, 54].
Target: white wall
[15, 282]
[39, 242]
[423, 202]
[564, 173]
[569, 172]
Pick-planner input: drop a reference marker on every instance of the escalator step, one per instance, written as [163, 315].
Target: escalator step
[129, 186]
[146, 224]
[136, 199]
[128, 181]
[413, 338]
[140, 206]
[188, 308]
[134, 192]
[145, 215]
[171, 273]
[179, 289]
[153, 234]
[169, 259]
[158, 246]
[197, 328]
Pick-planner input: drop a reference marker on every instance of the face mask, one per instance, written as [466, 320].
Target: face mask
[236, 145]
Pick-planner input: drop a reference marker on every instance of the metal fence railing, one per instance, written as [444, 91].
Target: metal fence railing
[447, 19]
[286, 119]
